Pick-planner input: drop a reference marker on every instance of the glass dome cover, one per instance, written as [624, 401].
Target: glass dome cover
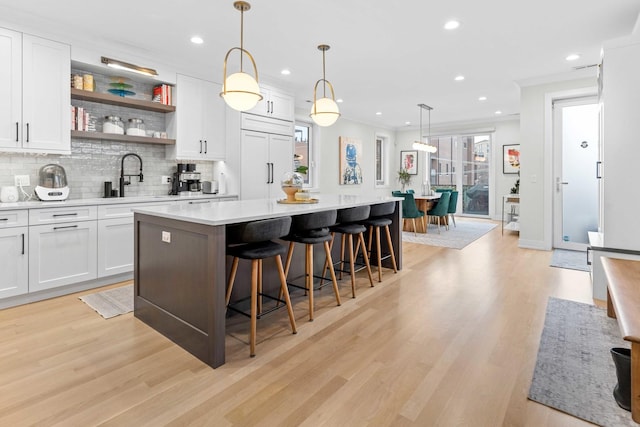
[52, 176]
[292, 179]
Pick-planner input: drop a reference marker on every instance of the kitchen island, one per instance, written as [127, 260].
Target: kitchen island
[180, 265]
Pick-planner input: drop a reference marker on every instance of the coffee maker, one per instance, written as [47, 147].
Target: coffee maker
[186, 181]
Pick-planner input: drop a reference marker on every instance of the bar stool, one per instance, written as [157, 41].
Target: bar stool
[379, 217]
[311, 229]
[348, 224]
[252, 241]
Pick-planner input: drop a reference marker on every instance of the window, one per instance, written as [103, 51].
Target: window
[303, 152]
[381, 161]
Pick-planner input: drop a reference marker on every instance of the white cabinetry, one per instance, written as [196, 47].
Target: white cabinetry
[115, 237]
[14, 262]
[63, 250]
[34, 94]
[199, 121]
[265, 158]
[275, 104]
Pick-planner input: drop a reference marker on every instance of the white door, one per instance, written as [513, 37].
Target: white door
[10, 88]
[281, 158]
[46, 95]
[255, 165]
[576, 140]
[14, 262]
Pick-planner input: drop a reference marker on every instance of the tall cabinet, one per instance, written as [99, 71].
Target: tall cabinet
[34, 94]
[267, 148]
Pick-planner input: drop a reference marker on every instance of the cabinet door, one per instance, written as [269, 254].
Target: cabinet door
[10, 88]
[263, 107]
[214, 122]
[62, 254]
[189, 107]
[282, 105]
[14, 262]
[115, 246]
[255, 166]
[45, 95]
[281, 157]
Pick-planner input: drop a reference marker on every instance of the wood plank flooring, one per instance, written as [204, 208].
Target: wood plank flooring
[451, 340]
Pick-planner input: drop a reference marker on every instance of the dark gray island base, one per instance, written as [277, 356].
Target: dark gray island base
[180, 265]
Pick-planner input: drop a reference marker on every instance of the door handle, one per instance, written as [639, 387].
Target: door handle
[206, 146]
[67, 214]
[200, 146]
[598, 169]
[268, 173]
[22, 244]
[17, 131]
[271, 172]
[67, 226]
[27, 132]
[558, 183]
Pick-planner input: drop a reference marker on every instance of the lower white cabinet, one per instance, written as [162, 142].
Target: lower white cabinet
[62, 254]
[115, 249]
[14, 262]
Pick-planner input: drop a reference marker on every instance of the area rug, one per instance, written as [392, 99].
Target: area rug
[112, 302]
[574, 372]
[457, 237]
[574, 260]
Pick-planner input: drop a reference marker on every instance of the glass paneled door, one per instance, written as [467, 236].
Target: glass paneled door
[575, 139]
[470, 154]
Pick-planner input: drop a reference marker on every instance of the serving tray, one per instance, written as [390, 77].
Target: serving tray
[297, 202]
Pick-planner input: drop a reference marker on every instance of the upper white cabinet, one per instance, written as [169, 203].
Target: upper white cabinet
[199, 121]
[275, 104]
[34, 94]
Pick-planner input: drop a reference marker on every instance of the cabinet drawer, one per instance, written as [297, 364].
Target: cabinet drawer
[57, 215]
[126, 210]
[10, 219]
[266, 124]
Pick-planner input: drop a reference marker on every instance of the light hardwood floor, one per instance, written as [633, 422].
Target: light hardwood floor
[451, 340]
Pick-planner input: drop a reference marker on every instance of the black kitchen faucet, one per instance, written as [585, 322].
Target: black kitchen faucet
[123, 175]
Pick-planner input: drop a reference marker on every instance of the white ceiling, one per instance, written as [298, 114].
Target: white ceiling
[385, 56]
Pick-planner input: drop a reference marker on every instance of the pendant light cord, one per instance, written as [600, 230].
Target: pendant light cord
[324, 81]
[241, 37]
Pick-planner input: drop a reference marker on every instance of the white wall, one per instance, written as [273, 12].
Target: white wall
[535, 161]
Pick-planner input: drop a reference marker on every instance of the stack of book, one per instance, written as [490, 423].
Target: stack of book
[82, 120]
[163, 94]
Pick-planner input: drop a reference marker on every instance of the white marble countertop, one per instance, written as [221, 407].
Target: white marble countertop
[233, 212]
[37, 204]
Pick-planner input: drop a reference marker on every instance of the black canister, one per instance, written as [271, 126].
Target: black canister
[107, 188]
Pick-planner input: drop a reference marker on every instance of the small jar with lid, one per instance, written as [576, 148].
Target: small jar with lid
[135, 127]
[113, 124]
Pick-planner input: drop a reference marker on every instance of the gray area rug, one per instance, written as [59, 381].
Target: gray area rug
[574, 372]
[112, 302]
[456, 237]
[574, 260]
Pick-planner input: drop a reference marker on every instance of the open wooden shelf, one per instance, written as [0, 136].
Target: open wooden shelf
[121, 138]
[107, 98]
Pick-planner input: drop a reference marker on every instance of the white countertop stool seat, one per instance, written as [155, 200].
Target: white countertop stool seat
[253, 241]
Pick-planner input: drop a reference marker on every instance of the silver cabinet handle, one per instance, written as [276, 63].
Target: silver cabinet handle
[598, 170]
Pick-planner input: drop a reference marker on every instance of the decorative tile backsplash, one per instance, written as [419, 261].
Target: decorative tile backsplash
[91, 163]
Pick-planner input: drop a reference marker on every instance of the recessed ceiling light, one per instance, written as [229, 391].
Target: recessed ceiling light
[459, 78]
[498, 112]
[285, 72]
[407, 123]
[379, 113]
[339, 100]
[451, 25]
[196, 40]
[572, 57]
[482, 98]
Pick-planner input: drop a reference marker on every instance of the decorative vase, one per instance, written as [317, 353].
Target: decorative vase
[291, 182]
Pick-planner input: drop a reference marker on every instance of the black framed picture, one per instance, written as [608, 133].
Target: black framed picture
[409, 161]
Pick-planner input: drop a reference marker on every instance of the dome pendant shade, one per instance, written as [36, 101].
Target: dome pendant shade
[240, 90]
[324, 111]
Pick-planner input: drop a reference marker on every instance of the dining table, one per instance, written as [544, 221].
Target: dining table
[424, 203]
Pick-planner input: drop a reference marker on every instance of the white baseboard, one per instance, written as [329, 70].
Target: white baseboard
[533, 244]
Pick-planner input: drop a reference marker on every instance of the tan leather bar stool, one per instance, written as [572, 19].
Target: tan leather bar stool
[378, 218]
[311, 229]
[253, 241]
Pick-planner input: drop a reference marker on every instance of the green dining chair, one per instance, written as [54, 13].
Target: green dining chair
[453, 205]
[441, 209]
[410, 210]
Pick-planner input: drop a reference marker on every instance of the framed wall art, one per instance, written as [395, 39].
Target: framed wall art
[511, 159]
[409, 161]
[350, 159]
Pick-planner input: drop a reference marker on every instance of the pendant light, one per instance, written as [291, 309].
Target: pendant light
[325, 111]
[240, 90]
[420, 145]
